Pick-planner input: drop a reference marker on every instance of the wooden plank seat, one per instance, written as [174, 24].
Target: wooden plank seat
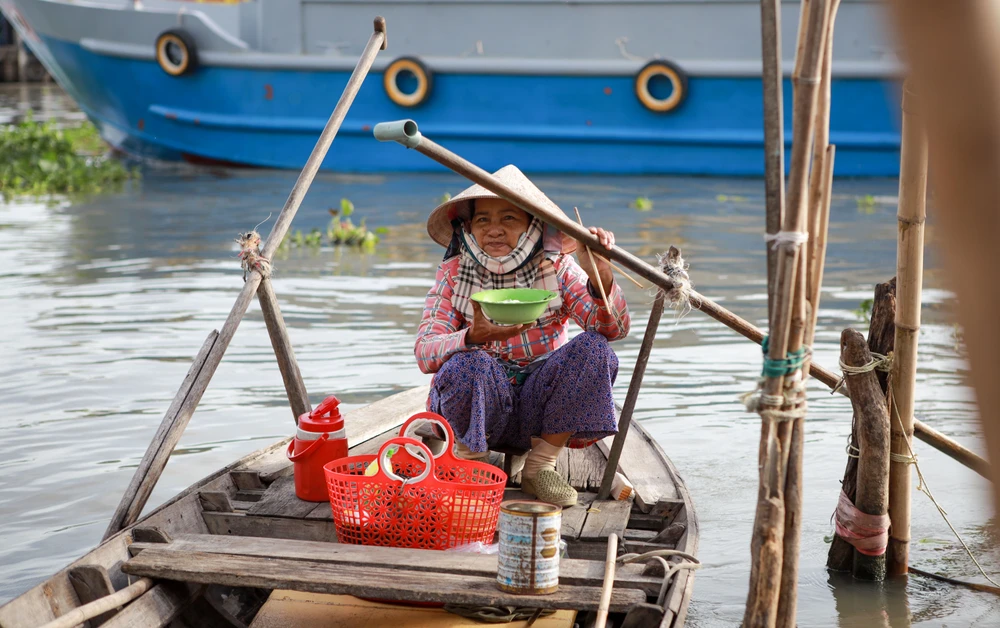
[373, 572]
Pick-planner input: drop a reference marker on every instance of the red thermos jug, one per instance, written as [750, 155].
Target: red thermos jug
[319, 439]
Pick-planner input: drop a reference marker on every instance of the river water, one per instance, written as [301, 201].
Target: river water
[105, 301]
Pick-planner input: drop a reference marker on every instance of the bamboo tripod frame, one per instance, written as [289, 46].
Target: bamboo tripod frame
[203, 368]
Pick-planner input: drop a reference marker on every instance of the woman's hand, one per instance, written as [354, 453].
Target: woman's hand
[483, 330]
[603, 267]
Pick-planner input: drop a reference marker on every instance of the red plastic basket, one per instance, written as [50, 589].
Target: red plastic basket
[424, 501]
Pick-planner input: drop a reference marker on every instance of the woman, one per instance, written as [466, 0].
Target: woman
[520, 385]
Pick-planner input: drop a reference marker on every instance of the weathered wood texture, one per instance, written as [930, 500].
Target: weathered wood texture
[644, 468]
[909, 277]
[364, 581]
[238, 524]
[279, 500]
[881, 336]
[605, 518]
[91, 583]
[295, 388]
[157, 607]
[576, 572]
[574, 517]
[101, 606]
[872, 417]
[183, 513]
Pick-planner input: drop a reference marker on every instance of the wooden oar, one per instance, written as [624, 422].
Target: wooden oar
[102, 605]
[187, 398]
[408, 134]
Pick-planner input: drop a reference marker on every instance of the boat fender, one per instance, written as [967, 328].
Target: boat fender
[669, 71]
[176, 52]
[390, 81]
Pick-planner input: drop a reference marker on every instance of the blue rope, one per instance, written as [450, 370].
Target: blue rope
[787, 366]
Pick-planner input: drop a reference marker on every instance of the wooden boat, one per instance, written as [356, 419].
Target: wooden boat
[239, 548]
[231, 549]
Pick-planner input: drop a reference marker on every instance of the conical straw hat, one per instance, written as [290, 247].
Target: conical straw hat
[439, 223]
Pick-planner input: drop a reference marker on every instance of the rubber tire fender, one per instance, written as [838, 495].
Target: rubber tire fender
[425, 82]
[183, 40]
[660, 67]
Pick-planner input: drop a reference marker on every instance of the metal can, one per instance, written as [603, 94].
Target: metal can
[528, 557]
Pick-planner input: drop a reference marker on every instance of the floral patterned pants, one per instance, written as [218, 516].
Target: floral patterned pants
[569, 392]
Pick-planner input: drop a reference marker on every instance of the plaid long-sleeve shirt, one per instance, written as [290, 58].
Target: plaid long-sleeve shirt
[443, 328]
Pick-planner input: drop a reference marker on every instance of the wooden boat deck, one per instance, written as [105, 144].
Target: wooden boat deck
[242, 532]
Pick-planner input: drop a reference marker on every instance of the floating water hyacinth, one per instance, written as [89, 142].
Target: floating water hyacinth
[38, 158]
[642, 204]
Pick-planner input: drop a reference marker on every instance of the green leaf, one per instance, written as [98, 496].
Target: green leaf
[866, 204]
[642, 204]
[346, 207]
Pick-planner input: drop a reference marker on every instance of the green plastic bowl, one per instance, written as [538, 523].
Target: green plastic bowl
[514, 306]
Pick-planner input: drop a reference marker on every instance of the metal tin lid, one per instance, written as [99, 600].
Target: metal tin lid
[525, 508]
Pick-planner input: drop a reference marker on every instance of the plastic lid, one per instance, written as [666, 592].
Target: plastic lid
[324, 418]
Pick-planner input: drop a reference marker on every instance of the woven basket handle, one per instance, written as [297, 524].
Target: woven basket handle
[385, 465]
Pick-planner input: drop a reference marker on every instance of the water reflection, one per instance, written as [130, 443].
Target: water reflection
[875, 604]
[105, 301]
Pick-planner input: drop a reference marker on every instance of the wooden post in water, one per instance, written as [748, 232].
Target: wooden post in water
[881, 337]
[909, 277]
[788, 322]
[872, 419]
[774, 133]
[811, 265]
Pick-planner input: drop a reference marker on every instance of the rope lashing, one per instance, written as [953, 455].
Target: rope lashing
[673, 265]
[770, 406]
[884, 363]
[923, 488]
[878, 362]
[250, 258]
[869, 534]
[687, 561]
[783, 367]
[793, 238]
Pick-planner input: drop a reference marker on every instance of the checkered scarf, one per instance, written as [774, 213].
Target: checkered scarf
[527, 266]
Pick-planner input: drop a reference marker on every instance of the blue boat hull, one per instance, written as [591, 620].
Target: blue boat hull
[272, 118]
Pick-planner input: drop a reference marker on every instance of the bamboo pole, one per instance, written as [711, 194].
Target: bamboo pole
[953, 52]
[811, 264]
[909, 277]
[148, 473]
[407, 134]
[295, 388]
[774, 132]
[600, 284]
[609, 581]
[872, 417]
[787, 334]
[625, 420]
[84, 613]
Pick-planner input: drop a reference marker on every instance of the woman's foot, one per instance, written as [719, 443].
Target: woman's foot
[551, 487]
